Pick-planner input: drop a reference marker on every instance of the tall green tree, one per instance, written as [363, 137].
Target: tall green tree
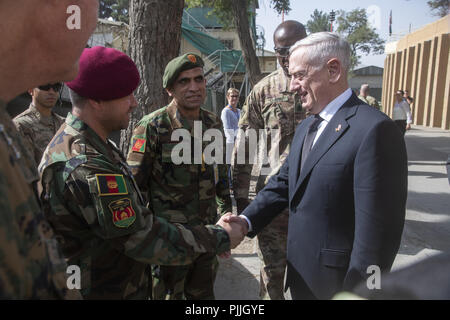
[155, 37]
[439, 8]
[363, 39]
[236, 14]
[116, 9]
[319, 22]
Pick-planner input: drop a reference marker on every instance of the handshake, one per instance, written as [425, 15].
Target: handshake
[236, 227]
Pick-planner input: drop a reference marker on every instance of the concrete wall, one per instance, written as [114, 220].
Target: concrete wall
[420, 64]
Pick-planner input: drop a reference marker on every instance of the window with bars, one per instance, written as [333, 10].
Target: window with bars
[228, 43]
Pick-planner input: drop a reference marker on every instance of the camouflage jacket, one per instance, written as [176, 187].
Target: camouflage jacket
[92, 200]
[37, 129]
[270, 108]
[183, 193]
[31, 264]
[371, 101]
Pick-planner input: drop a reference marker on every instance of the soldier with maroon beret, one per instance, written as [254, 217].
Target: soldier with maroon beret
[91, 198]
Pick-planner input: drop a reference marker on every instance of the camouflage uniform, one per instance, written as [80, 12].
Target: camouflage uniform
[371, 101]
[184, 193]
[31, 265]
[92, 200]
[37, 129]
[270, 107]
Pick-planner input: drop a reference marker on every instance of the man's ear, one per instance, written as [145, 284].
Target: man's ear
[334, 70]
[96, 104]
[31, 92]
[169, 92]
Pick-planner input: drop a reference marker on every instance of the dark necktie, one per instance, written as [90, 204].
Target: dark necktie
[307, 144]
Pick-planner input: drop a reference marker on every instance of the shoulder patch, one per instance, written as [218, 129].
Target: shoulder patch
[123, 214]
[139, 145]
[111, 184]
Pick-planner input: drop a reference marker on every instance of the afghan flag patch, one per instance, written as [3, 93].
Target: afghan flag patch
[139, 145]
[123, 214]
[111, 184]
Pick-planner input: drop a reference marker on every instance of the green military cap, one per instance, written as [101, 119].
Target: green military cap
[179, 64]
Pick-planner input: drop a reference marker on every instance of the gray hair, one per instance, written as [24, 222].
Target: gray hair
[323, 46]
[76, 99]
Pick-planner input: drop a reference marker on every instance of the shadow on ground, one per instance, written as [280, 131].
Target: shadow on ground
[235, 281]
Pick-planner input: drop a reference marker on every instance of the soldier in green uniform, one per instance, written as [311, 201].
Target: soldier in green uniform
[30, 264]
[39, 123]
[364, 96]
[270, 107]
[91, 198]
[190, 193]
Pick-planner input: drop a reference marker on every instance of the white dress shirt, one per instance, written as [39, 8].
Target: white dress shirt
[402, 111]
[330, 110]
[326, 114]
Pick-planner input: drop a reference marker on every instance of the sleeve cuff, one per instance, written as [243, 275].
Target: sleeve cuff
[250, 228]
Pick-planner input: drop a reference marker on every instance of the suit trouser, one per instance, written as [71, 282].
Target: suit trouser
[272, 243]
[401, 125]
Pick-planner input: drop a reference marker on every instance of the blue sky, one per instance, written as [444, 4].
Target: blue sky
[404, 13]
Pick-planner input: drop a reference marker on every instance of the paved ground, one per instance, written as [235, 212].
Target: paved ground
[427, 225]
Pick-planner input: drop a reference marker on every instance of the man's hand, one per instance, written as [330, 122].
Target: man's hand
[236, 230]
[408, 126]
[231, 218]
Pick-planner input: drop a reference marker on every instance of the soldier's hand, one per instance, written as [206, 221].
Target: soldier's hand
[232, 218]
[236, 230]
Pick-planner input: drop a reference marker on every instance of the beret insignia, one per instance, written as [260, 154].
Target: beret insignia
[192, 58]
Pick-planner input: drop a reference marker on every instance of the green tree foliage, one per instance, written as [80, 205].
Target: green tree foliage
[363, 39]
[230, 14]
[319, 22]
[439, 8]
[116, 9]
[280, 6]
[223, 11]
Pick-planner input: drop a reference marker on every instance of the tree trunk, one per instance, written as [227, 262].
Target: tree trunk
[155, 34]
[240, 14]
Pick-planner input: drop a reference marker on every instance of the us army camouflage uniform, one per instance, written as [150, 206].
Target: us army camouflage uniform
[184, 193]
[371, 101]
[31, 264]
[93, 203]
[37, 129]
[271, 107]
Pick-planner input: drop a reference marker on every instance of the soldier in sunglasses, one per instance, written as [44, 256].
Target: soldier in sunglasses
[272, 107]
[39, 123]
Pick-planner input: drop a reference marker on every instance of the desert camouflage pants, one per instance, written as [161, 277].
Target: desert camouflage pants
[191, 282]
[272, 242]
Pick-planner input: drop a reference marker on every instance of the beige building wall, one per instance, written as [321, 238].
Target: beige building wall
[419, 62]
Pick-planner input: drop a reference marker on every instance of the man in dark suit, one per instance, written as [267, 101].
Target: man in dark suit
[345, 179]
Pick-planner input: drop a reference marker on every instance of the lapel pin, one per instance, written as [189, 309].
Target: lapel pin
[338, 128]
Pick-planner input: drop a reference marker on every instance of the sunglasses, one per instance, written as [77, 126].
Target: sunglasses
[56, 87]
[282, 51]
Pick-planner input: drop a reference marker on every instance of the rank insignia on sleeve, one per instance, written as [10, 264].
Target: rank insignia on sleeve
[139, 145]
[123, 214]
[111, 184]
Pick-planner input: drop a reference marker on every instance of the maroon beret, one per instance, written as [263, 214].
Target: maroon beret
[105, 74]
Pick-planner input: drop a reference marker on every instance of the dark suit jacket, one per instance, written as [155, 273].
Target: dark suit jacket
[347, 205]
